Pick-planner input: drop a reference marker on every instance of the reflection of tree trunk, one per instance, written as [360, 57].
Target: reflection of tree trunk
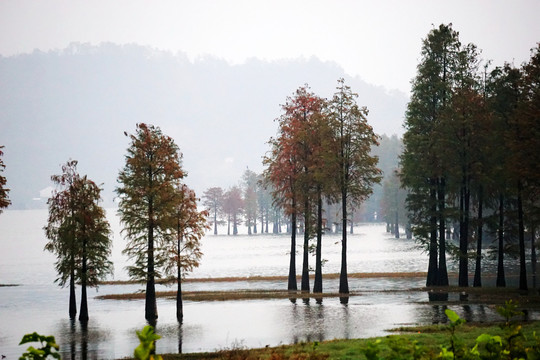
[501, 281]
[180, 338]
[84, 340]
[318, 285]
[478, 269]
[72, 339]
[522, 264]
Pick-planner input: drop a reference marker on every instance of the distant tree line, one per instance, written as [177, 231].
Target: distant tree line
[470, 164]
[229, 206]
[4, 198]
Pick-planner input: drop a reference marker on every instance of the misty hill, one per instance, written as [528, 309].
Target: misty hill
[76, 103]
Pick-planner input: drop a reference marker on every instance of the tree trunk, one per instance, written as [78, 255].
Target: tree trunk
[522, 262]
[478, 268]
[292, 286]
[150, 305]
[533, 255]
[235, 225]
[343, 278]
[501, 281]
[318, 285]
[305, 262]
[179, 303]
[396, 228]
[433, 267]
[83, 315]
[72, 297]
[464, 234]
[215, 220]
[442, 272]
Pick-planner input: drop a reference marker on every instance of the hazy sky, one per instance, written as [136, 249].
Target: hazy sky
[377, 40]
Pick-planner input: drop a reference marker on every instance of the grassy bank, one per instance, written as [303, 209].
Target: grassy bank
[423, 342]
[223, 295]
[275, 278]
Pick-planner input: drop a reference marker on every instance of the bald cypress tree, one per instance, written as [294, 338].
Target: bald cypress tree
[424, 164]
[79, 234]
[147, 203]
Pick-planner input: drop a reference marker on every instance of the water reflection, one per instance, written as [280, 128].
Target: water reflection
[83, 341]
[437, 296]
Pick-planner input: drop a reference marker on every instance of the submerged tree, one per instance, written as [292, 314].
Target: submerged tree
[184, 249]
[4, 199]
[147, 201]
[292, 167]
[79, 234]
[356, 168]
[424, 166]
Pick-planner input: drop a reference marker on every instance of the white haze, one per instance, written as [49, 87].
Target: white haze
[78, 102]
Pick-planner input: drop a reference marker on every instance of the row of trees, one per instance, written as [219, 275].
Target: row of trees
[157, 210]
[250, 203]
[322, 152]
[471, 152]
[4, 198]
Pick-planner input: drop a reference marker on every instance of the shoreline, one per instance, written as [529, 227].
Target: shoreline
[272, 278]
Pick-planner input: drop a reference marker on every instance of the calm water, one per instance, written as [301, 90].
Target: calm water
[37, 304]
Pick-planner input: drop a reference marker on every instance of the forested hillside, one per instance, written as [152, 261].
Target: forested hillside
[76, 103]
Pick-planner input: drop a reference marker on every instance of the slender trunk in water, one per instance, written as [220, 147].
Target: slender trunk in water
[533, 255]
[150, 303]
[318, 285]
[433, 266]
[464, 234]
[442, 272]
[292, 286]
[83, 316]
[501, 281]
[343, 277]
[72, 298]
[478, 269]
[522, 262]
[305, 262]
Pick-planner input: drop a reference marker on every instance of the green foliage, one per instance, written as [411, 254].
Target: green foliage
[147, 190]
[77, 228]
[48, 347]
[146, 348]
[508, 311]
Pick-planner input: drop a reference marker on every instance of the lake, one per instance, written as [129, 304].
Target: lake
[38, 304]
